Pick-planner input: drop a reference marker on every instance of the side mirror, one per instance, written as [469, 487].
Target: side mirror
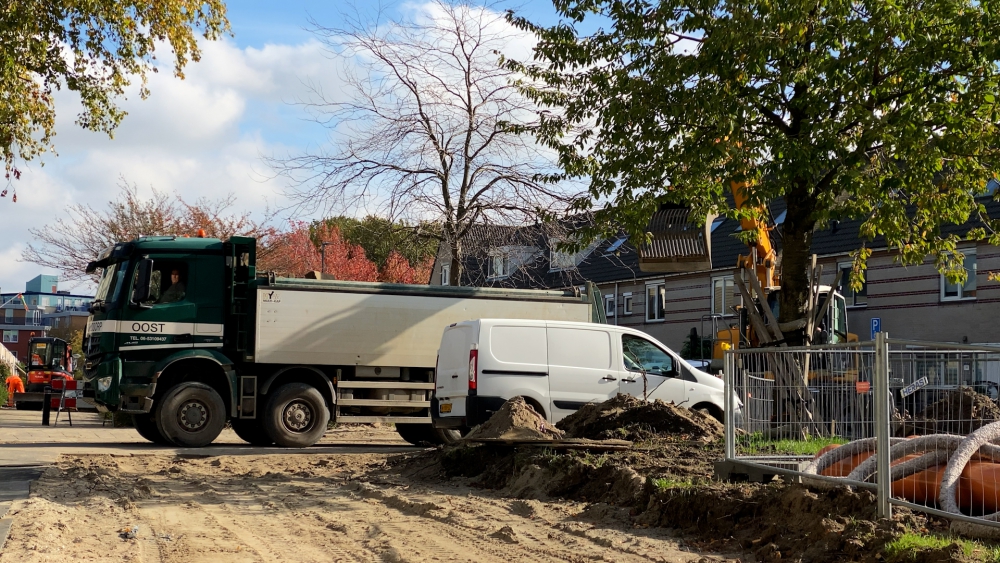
[143, 277]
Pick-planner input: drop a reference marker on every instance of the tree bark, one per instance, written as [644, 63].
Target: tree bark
[796, 248]
[455, 275]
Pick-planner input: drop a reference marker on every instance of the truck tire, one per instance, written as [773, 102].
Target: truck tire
[296, 416]
[191, 415]
[145, 425]
[251, 431]
[420, 434]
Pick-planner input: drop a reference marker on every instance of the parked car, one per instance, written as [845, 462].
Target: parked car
[558, 367]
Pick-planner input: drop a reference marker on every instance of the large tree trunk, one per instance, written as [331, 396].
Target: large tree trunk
[796, 249]
[455, 277]
[793, 399]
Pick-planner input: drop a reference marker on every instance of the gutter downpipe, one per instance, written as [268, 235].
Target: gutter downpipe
[616, 303]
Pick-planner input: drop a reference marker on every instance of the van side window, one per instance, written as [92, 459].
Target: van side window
[642, 355]
[578, 348]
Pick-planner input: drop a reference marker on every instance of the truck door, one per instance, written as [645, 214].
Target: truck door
[580, 369]
[642, 357]
[159, 310]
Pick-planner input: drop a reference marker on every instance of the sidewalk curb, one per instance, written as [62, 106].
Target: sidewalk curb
[11, 491]
[5, 524]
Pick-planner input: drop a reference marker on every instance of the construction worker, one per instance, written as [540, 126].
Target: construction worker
[14, 385]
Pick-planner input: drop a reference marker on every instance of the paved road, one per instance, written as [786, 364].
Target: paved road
[25, 442]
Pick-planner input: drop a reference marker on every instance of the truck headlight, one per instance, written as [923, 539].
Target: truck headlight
[103, 384]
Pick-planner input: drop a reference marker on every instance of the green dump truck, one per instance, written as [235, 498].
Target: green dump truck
[184, 334]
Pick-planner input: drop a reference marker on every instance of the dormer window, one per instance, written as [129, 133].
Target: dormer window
[499, 264]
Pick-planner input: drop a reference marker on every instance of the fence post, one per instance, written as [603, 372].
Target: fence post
[730, 407]
[882, 429]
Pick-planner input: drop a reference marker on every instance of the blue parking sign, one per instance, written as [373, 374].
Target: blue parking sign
[876, 326]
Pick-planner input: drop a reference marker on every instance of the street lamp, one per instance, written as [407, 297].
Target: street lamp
[322, 257]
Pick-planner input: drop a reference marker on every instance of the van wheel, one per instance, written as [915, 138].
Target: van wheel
[191, 415]
[145, 425]
[712, 411]
[296, 416]
[252, 431]
[420, 434]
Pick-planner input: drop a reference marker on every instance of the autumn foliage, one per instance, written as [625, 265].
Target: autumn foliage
[298, 251]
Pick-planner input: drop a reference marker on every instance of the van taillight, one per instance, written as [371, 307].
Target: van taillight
[473, 367]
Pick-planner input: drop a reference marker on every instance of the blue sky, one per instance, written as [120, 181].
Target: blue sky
[203, 136]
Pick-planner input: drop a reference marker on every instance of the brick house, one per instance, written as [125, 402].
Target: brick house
[42, 310]
[911, 302]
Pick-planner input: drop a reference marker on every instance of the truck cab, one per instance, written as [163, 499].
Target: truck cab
[157, 322]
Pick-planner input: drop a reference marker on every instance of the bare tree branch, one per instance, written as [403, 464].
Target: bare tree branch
[426, 130]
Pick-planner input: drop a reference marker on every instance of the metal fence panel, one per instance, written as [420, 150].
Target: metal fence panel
[929, 410]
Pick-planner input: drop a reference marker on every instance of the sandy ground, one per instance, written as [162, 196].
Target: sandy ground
[301, 508]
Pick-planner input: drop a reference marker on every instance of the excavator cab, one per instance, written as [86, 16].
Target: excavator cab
[676, 243]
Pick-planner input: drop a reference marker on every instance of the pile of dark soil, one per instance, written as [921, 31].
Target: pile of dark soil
[788, 522]
[959, 412]
[515, 421]
[665, 480]
[629, 418]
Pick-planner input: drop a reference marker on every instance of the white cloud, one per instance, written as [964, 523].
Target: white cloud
[201, 136]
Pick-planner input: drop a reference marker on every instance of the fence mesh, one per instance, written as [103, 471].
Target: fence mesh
[940, 417]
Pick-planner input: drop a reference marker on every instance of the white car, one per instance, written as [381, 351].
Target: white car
[558, 367]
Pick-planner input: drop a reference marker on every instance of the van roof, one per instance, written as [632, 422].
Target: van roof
[537, 322]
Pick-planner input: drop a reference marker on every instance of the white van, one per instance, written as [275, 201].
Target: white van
[558, 367]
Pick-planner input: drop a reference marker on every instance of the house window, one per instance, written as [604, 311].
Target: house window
[724, 295]
[57, 319]
[36, 317]
[10, 336]
[953, 291]
[559, 260]
[499, 265]
[854, 298]
[609, 305]
[446, 274]
[655, 296]
[627, 303]
[8, 316]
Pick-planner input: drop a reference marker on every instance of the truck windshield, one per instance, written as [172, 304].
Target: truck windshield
[110, 287]
[105, 285]
[47, 355]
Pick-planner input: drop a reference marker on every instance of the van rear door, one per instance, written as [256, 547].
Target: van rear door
[451, 380]
[580, 368]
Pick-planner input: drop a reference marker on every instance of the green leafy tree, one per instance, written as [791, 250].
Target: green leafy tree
[881, 111]
[93, 48]
[380, 236]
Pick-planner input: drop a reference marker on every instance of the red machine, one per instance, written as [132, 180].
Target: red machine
[49, 359]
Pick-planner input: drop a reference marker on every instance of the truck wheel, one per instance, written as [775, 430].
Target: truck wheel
[296, 416]
[145, 425]
[420, 434]
[251, 431]
[191, 415]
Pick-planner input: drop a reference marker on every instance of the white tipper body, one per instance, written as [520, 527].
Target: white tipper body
[341, 328]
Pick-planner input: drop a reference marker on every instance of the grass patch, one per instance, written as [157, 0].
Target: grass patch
[757, 445]
[664, 483]
[908, 545]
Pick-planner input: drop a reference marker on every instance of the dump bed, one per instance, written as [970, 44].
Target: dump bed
[373, 324]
